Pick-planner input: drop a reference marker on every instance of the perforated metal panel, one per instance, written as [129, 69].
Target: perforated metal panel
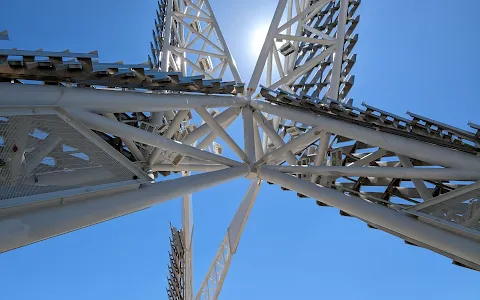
[43, 153]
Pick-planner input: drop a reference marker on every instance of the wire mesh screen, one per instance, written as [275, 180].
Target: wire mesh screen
[42, 154]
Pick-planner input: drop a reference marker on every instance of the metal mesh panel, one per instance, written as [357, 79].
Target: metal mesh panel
[42, 154]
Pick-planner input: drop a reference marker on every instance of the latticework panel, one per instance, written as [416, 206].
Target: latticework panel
[176, 267]
[315, 82]
[42, 153]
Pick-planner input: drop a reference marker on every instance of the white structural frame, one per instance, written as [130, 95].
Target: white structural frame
[292, 145]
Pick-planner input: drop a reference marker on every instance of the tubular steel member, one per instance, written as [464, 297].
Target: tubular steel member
[36, 225]
[103, 101]
[415, 149]
[444, 242]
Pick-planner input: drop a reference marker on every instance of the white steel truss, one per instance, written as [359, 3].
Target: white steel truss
[195, 43]
[97, 135]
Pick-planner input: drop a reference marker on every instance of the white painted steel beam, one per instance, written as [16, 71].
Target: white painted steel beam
[397, 223]
[166, 44]
[210, 138]
[208, 118]
[204, 129]
[226, 50]
[368, 158]
[47, 146]
[36, 225]
[103, 124]
[102, 101]
[187, 167]
[248, 134]
[334, 88]
[433, 154]
[129, 143]
[187, 224]
[258, 142]
[172, 128]
[321, 154]
[457, 195]
[215, 277]
[272, 134]
[418, 183]
[382, 172]
[267, 46]
[303, 140]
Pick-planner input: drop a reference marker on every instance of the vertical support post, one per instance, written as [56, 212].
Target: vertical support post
[248, 134]
[166, 41]
[278, 141]
[287, 58]
[334, 88]
[258, 143]
[320, 158]
[268, 80]
[187, 220]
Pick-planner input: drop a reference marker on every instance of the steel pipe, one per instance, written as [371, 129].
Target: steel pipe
[382, 172]
[204, 129]
[303, 140]
[272, 134]
[321, 153]
[37, 225]
[397, 223]
[182, 167]
[102, 101]
[433, 154]
[100, 123]
[218, 129]
[129, 143]
[172, 128]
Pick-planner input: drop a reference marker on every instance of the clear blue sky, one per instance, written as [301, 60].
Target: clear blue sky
[412, 55]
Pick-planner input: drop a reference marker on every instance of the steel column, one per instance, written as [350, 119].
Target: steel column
[397, 223]
[36, 225]
[103, 101]
[382, 172]
[412, 148]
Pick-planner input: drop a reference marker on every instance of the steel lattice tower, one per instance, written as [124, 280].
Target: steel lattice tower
[90, 144]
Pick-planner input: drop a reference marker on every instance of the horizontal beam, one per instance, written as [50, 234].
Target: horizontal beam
[103, 124]
[187, 167]
[102, 101]
[382, 172]
[281, 37]
[37, 225]
[433, 154]
[387, 219]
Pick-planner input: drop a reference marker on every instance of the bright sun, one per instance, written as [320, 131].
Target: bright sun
[257, 38]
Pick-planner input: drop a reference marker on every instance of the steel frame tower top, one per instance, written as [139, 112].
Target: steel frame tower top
[88, 146]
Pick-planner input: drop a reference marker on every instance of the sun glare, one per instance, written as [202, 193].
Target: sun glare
[257, 38]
